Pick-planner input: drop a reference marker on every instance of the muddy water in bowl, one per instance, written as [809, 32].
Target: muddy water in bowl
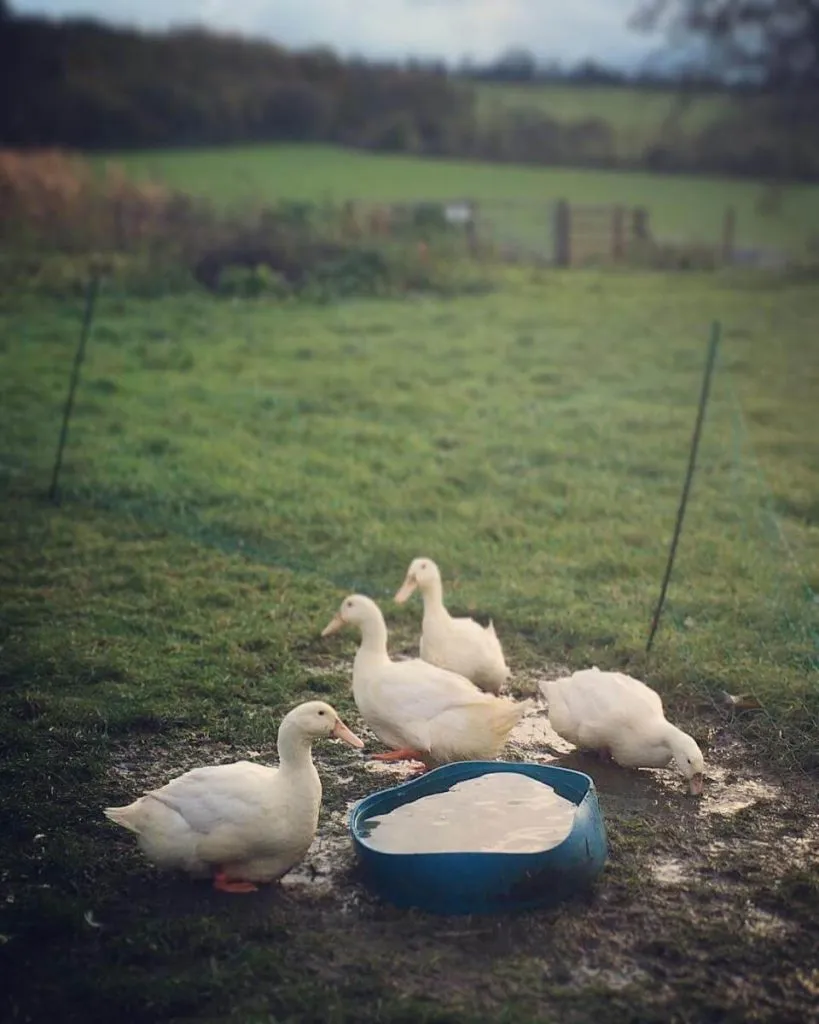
[502, 812]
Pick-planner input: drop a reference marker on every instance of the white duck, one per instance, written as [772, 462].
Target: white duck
[461, 645]
[242, 822]
[621, 718]
[424, 713]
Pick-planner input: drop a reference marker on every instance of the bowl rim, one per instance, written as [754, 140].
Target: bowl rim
[355, 811]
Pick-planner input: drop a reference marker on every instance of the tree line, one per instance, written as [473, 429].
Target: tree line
[82, 84]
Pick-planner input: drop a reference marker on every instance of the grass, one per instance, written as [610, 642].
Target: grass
[683, 208]
[235, 468]
[638, 117]
[534, 442]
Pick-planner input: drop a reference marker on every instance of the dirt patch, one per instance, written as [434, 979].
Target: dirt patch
[693, 901]
[765, 808]
[668, 871]
[533, 738]
[729, 793]
[706, 910]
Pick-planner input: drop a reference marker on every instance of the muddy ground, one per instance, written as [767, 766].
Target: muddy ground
[708, 910]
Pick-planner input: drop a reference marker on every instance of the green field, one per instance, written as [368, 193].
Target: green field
[235, 468]
[534, 439]
[638, 117]
[682, 208]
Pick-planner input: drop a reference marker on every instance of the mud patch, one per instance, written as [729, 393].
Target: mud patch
[727, 793]
[668, 871]
[534, 739]
[764, 924]
[529, 682]
[392, 772]
[328, 861]
[605, 978]
[690, 883]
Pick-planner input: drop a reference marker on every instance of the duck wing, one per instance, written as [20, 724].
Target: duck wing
[413, 694]
[611, 699]
[226, 794]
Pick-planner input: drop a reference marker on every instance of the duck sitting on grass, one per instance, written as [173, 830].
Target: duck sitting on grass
[240, 823]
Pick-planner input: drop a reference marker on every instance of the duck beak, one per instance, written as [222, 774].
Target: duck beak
[407, 590]
[341, 732]
[696, 784]
[333, 626]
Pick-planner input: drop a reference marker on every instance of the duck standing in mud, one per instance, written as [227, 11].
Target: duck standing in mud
[240, 823]
[623, 719]
[424, 713]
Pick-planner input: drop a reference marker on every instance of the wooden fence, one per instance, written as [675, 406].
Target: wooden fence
[618, 234]
[561, 234]
[586, 233]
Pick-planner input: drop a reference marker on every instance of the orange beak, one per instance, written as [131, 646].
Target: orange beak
[696, 784]
[333, 626]
[341, 732]
[408, 588]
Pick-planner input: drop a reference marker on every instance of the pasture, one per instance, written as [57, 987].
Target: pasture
[235, 468]
[683, 208]
[638, 117]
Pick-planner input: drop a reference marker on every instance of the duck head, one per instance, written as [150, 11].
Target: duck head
[688, 758]
[422, 573]
[355, 610]
[315, 719]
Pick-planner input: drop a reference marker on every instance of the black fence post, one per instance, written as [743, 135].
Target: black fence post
[713, 344]
[88, 316]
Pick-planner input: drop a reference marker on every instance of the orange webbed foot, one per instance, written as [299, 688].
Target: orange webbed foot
[222, 884]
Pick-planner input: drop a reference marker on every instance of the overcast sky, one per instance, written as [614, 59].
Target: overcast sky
[568, 30]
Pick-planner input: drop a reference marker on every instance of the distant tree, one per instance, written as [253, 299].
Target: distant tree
[297, 112]
[592, 73]
[80, 83]
[515, 65]
[551, 70]
[773, 43]
[466, 66]
[770, 45]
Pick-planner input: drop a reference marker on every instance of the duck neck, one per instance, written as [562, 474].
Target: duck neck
[373, 646]
[433, 596]
[675, 739]
[658, 742]
[295, 750]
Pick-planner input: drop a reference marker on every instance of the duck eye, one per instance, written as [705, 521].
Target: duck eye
[322, 712]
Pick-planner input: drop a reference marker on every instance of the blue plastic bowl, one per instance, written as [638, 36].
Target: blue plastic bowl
[484, 883]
